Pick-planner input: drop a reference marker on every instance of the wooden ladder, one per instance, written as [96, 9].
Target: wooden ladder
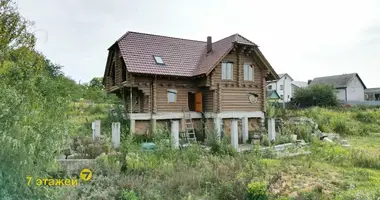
[189, 134]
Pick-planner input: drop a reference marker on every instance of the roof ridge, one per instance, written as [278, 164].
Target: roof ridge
[337, 75]
[246, 39]
[205, 55]
[224, 38]
[123, 36]
[160, 36]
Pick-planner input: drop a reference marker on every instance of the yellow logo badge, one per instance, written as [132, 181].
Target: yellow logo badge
[85, 174]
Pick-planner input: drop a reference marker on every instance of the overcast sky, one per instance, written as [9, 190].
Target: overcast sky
[303, 38]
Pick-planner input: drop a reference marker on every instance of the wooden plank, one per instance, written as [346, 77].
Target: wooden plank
[198, 101]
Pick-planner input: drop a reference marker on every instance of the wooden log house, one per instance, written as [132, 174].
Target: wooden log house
[159, 77]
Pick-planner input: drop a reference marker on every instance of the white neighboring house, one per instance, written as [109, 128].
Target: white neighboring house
[283, 87]
[349, 87]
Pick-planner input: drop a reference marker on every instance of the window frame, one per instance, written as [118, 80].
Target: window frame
[172, 93]
[281, 87]
[227, 66]
[155, 57]
[248, 72]
[270, 87]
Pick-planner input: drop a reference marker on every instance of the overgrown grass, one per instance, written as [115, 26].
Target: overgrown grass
[345, 121]
[330, 172]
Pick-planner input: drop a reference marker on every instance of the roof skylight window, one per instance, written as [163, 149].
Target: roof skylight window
[159, 60]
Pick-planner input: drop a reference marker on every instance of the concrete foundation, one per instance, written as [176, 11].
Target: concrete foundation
[96, 129]
[116, 135]
[245, 129]
[140, 121]
[234, 134]
[175, 134]
[271, 129]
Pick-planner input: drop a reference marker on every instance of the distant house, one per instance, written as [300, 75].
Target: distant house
[372, 94]
[272, 96]
[349, 87]
[285, 86]
[298, 84]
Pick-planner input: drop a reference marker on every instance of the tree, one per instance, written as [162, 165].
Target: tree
[14, 31]
[33, 105]
[97, 82]
[316, 95]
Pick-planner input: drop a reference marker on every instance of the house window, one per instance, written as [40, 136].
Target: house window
[270, 87]
[226, 71]
[281, 87]
[172, 96]
[248, 72]
[282, 96]
[159, 60]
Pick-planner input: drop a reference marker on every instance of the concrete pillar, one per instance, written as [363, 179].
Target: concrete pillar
[153, 124]
[234, 134]
[93, 130]
[217, 126]
[175, 133]
[116, 135]
[132, 127]
[245, 129]
[96, 129]
[271, 129]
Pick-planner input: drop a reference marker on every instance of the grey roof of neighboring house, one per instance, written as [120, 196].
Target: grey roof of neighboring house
[270, 94]
[369, 90]
[338, 81]
[300, 84]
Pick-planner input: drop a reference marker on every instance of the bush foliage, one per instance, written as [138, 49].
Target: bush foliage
[316, 95]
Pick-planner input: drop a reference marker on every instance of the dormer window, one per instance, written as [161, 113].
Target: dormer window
[159, 60]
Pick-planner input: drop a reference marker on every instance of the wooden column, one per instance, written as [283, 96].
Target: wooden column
[239, 70]
[215, 102]
[264, 74]
[219, 97]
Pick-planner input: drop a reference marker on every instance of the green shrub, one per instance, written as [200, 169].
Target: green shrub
[315, 194]
[361, 158]
[107, 164]
[257, 191]
[265, 141]
[316, 95]
[219, 146]
[130, 195]
[341, 126]
[303, 132]
[127, 143]
[90, 148]
[95, 109]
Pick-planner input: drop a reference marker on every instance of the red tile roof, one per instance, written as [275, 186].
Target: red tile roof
[182, 57]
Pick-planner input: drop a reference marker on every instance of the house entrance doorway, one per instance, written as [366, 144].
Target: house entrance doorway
[191, 101]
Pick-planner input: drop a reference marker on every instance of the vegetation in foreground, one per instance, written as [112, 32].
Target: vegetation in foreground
[38, 117]
[330, 172]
